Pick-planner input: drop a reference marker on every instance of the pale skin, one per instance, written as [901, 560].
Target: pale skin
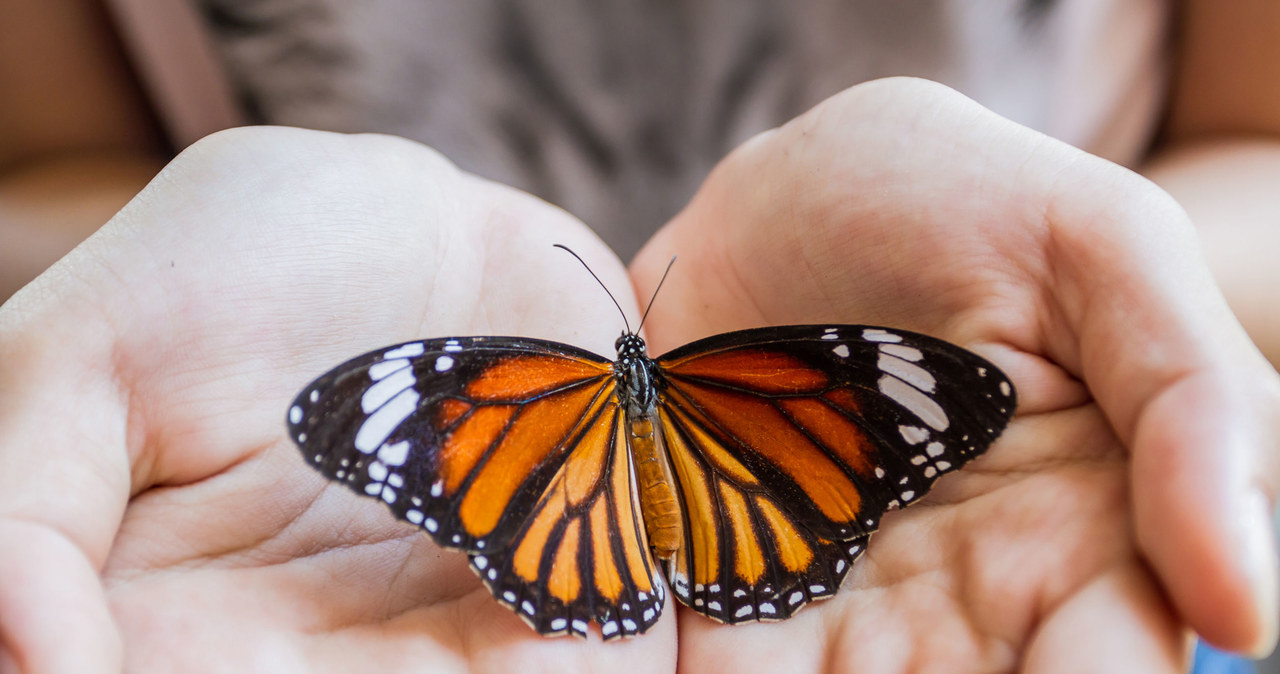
[151, 369]
[167, 522]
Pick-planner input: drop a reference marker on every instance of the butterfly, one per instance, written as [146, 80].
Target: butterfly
[752, 466]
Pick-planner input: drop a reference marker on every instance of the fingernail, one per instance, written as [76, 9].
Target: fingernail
[1263, 567]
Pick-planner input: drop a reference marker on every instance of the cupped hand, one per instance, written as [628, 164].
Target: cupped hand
[1131, 496]
[153, 511]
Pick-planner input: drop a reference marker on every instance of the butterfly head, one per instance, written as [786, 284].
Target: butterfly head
[630, 346]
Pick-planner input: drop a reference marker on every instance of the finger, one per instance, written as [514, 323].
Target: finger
[64, 482]
[1117, 623]
[1203, 517]
[53, 612]
[1185, 389]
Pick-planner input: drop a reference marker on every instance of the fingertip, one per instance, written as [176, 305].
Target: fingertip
[1262, 567]
[1200, 518]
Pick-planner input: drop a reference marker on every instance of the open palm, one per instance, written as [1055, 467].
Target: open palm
[155, 511]
[904, 204]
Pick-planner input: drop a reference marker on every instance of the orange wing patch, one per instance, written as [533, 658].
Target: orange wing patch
[450, 410]
[756, 423]
[608, 581]
[466, 444]
[539, 431]
[587, 511]
[795, 553]
[748, 559]
[835, 431]
[524, 377]
[759, 370]
[700, 510]
[565, 581]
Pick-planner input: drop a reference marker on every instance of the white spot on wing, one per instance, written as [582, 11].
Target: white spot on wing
[378, 394]
[930, 471]
[509, 596]
[743, 611]
[795, 597]
[527, 606]
[842, 350]
[878, 335]
[405, 351]
[481, 562]
[558, 623]
[907, 371]
[1004, 388]
[628, 624]
[578, 625]
[767, 609]
[915, 402]
[315, 395]
[378, 471]
[609, 628]
[414, 516]
[383, 368]
[394, 455]
[913, 434]
[373, 488]
[295, 414]
[444, 363]
[935, 448]
[902, 351]
[375, 429]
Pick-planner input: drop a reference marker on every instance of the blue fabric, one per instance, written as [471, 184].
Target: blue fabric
[1209, 660]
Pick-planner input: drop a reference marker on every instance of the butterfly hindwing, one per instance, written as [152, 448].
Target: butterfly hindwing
[790, 443]
[506, 448]
[582, 548]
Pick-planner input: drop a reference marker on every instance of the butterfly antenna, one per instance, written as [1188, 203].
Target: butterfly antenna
[602, 285]
[655, 293]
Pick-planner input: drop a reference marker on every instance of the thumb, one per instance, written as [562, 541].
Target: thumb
[1186, 391]
[64, 483]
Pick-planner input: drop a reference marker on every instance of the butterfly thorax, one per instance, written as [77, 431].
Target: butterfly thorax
[634, 371]
[638, 396]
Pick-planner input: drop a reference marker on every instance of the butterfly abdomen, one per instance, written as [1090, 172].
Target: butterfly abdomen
[657, 490]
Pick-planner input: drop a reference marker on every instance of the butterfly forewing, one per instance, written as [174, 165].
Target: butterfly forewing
[790, 443]
[507, 448]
